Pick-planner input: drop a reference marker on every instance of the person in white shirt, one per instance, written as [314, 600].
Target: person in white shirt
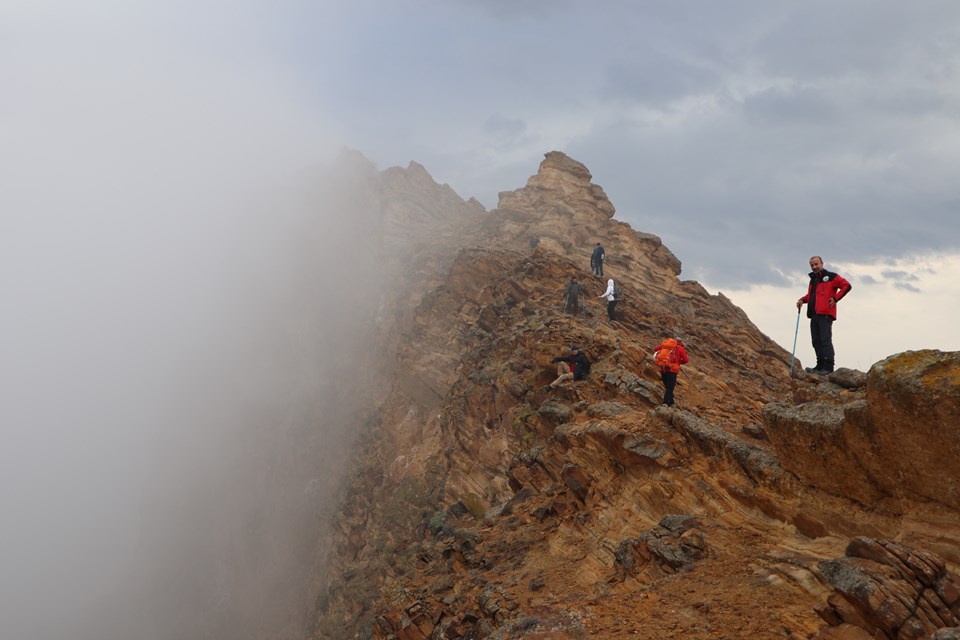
[611, 301]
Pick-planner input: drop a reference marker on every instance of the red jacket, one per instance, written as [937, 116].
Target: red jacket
[681, 358]
[828, 285]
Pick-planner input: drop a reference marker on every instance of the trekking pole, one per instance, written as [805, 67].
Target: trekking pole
[688, 379]
[795, 332]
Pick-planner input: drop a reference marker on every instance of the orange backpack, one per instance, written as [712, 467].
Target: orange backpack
[667, 356]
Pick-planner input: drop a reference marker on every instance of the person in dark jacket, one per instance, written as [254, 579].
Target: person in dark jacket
[572, 293]
[597, 259]
[579, 366]
[825, 290]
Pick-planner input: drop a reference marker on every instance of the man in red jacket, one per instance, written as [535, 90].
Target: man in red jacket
[824, 292]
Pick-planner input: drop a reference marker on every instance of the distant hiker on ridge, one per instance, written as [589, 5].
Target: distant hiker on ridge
[572, 293]
[611, 294]
[826, 288]
[579, 366]
[597, 260]
[669, 356]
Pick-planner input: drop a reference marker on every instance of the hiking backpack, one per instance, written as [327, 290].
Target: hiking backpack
[617, 292]
[667, 355]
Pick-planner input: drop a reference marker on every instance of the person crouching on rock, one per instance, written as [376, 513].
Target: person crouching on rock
[669, 356]
[579, 366]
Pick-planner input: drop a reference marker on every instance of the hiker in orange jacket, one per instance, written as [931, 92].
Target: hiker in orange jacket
[670, 356]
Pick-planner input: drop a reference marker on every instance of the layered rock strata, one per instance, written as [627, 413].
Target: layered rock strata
[883, 589]
[483, 503]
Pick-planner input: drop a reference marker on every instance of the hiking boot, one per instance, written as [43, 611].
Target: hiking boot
[822, 372]
[812, 370]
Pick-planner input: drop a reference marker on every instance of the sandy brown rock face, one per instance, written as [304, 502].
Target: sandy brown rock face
[561, 189]
[485, 504]
[891, 446]
[912, 426]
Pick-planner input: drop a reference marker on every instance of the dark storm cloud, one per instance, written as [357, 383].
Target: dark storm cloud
[778, 106]
[783, 129]
[849, 138]
[652, 77]
[504, 127]
[506, 133]
[768, 194]
[899, 275]
[906, 286]
[508, 9]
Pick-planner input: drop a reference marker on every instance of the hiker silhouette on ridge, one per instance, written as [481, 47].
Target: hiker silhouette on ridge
[825, 290]
[572, 292]
[597, 258]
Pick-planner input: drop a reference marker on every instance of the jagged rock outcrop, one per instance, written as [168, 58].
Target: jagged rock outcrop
[485, 504]
[561, 189]
[883, 589]
[417, 208]
[568, 214]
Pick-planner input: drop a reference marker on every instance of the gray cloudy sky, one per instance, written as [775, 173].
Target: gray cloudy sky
[747, 134]
[152, 155]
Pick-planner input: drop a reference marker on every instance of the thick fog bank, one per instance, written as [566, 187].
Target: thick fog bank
[175, 412]
[182, 365]
[183, 307]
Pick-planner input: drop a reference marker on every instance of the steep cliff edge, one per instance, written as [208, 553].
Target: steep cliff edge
[484, 504]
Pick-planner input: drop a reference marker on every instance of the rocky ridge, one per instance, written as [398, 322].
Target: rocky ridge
[482, 504]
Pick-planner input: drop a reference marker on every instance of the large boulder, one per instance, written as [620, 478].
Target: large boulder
[901, 441]
[911, 431]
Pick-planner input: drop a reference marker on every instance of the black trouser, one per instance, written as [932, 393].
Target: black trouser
[572, 305]
[669, 382]
[598, 268]
[821, 334]
[611, 305]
